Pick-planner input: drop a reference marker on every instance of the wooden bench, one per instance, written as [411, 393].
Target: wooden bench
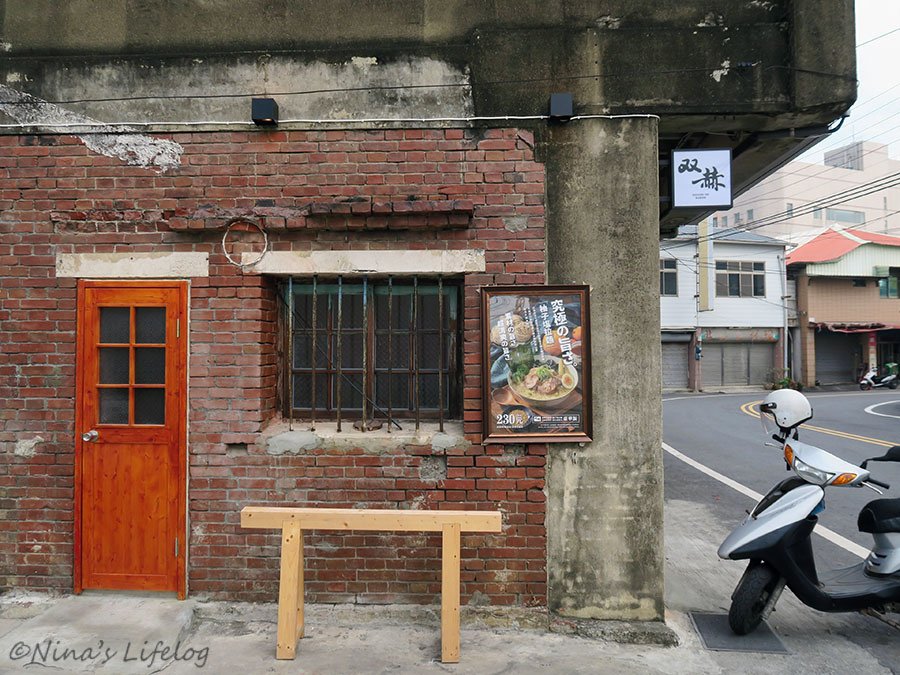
[293, 521]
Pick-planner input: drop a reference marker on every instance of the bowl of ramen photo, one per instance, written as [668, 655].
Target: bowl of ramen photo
[544, 384]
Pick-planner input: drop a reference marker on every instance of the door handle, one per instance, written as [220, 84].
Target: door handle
[90, 436]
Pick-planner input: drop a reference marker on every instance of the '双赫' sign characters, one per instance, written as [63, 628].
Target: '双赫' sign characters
[537, 383]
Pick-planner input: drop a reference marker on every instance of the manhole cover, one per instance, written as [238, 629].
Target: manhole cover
[717, 636]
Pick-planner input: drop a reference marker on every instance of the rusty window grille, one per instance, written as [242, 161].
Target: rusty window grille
[368, 351]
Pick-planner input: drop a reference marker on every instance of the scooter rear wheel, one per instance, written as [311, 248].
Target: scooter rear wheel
[865, 386]
[750, 598]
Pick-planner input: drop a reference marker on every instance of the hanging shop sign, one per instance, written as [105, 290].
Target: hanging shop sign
[536, 364]
[701, 178]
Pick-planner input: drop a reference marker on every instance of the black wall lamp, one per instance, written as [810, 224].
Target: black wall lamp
[561, 107]
[264, 111]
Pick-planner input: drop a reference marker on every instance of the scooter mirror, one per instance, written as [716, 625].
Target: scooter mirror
[892, 455]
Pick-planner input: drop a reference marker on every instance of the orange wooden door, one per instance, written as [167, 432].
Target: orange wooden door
[130, 443]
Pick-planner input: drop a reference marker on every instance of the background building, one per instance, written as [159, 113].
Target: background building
[730, 304]
[848, 311]
[858, 187]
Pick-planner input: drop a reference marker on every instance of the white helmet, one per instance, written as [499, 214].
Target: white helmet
[788, 408]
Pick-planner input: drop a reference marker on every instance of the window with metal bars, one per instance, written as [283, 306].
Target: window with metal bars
[380, 350]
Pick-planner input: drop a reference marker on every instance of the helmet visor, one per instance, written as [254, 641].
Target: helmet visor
[770, 426]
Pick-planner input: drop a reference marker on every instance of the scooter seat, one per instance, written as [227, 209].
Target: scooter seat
[879, 516]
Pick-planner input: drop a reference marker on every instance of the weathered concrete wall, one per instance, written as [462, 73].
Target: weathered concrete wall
[604, 511]
[706, 63]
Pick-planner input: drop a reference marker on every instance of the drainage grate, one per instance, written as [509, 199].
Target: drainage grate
[717, 636]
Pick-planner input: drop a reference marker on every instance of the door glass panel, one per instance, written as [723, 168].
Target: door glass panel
[114, 365]
[115, 324]
[114, 406]
[150, 325]
[149, 406]
[150, 365]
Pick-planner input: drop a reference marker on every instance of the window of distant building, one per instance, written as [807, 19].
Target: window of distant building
[887, 287]
[789, 210]
[749, 214]
[715, 222]
[736, 279]
[859, 283]
[845, 216]
[737, 218]
[668, 276]
[817, 214]
[724, 221]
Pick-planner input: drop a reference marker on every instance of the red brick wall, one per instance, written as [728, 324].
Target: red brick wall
[468, 190]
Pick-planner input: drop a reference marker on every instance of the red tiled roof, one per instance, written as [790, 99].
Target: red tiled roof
[832, 244]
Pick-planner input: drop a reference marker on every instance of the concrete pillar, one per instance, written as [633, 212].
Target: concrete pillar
[605, 498]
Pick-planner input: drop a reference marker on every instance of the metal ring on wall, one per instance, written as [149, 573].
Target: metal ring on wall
[228, 227]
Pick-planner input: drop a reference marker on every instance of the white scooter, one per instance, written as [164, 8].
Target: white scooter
[775, 537]
[872, 379]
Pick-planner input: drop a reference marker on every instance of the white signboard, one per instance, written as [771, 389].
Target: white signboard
[701, 178]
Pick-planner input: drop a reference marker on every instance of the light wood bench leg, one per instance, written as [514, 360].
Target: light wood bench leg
[290, 590]
[300, 619]
[450, 594]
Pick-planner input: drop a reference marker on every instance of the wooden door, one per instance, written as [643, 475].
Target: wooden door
[130, 441]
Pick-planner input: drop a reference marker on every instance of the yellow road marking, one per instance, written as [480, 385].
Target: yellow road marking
[748, 409]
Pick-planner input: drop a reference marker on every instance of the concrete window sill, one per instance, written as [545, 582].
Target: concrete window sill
[279, 440]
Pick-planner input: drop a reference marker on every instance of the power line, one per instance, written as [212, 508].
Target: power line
[863, 190]
[823, 170]
[871, 40]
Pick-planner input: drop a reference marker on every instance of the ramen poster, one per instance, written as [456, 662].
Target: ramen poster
[536, 364]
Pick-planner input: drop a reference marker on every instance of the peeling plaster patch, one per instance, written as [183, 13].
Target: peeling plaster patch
[608, 21]
[26, 448]
[515, 223]
[122, 142]
[479, 599]
[433, 468]
[5, 46]
[137, 149]
[765, 4]
[712, 19]
[364, 61]
[717, 74]
[293, 443]
[14, 77]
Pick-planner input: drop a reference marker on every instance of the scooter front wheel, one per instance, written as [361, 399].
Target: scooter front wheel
[750, 598]
[893, 384]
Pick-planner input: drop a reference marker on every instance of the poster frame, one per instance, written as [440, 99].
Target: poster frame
[585, 434]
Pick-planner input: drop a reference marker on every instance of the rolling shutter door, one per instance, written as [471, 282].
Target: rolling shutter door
[762, 363]
[711, 365]
[674, 365]
[737, 363]
[835, 356]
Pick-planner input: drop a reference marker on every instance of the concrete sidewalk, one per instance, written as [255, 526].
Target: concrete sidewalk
[108, 633]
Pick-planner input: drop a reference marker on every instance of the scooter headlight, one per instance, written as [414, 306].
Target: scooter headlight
[810, 473]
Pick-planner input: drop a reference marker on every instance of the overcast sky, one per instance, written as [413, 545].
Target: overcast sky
[876, 114]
